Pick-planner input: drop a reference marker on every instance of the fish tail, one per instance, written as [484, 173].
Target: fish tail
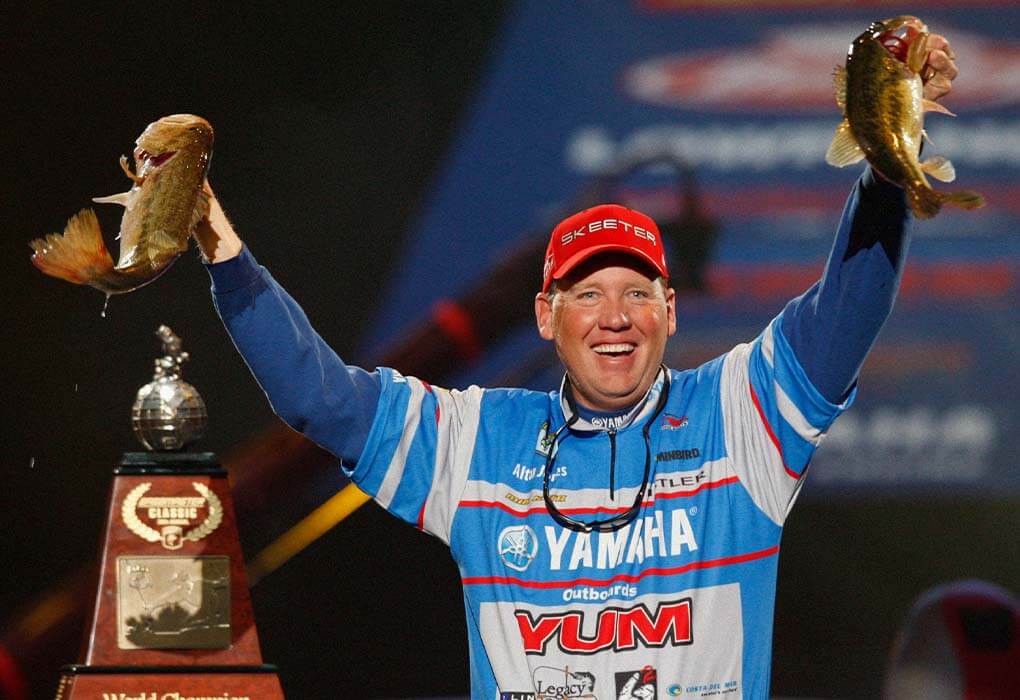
[79, 255]
[927, 202]
[965, 199]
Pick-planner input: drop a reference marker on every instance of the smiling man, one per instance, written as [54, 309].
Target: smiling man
[608, 317]
[620, 533]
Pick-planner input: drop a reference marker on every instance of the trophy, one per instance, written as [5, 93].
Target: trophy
[173, 615]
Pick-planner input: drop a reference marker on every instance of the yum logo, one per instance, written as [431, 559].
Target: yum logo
[618, 629]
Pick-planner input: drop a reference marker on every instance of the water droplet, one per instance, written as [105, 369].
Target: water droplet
[31, 463]
[106, 304]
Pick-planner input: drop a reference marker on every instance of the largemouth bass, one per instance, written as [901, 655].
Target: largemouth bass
[161, 210]
[881, 93]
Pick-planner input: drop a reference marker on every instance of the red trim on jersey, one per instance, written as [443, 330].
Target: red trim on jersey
[429, 389]
[768, 429]
[421, 517]
[629, 578]
[702, 487]
[599, 510]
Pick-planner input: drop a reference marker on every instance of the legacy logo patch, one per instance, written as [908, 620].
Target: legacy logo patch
[561, 683]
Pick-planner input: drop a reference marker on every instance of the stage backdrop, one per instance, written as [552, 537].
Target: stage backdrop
[614, 98]
[328, 121]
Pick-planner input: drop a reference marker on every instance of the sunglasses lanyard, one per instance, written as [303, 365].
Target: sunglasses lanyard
[621, 519]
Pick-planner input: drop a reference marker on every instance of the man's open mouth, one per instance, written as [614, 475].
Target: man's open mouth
[614, 349]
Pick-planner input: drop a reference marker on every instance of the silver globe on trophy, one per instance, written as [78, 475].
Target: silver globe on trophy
[168, 413]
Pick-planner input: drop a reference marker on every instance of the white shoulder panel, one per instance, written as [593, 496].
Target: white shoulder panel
[459, 414]
[754, 456]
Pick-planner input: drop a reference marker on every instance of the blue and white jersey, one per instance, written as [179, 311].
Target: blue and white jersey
[682, 597]
[680, 601]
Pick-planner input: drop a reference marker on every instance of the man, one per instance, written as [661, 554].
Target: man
[621, 533]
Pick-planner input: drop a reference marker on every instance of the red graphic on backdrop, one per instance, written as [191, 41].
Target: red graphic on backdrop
[790, 70]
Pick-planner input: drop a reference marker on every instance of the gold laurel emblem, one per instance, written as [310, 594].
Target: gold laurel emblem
[212, 521]
[128, 512]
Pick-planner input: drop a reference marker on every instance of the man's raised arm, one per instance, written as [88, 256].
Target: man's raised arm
[307, 384]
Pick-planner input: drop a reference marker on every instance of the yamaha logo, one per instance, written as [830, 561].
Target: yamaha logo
[517, 547]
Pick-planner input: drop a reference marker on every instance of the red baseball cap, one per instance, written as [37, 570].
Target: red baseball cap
[602, 229]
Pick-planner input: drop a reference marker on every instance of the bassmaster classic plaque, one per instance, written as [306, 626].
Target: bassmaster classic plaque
[173, 614]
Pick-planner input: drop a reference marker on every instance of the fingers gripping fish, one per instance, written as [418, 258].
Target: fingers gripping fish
[161, 211]
[880, 92]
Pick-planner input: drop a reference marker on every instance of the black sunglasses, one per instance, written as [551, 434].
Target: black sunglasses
[620, 519]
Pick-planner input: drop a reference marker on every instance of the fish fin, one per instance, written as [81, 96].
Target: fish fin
[965, 199]
[201, 210]
[162, 241]
[843, 150]
[127, 171]
[917, 53]
[932, 106]
[927, 202]
[79, 255]
[155, 250]
[120, 198]
[940, 168]
[839, 84]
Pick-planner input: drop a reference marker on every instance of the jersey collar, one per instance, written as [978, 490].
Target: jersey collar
[636, 414]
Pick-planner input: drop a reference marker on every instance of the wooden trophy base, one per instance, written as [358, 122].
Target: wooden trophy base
[173, 616]
[168, 682]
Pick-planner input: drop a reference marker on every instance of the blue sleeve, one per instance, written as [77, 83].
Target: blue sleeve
[832, 326]
[307, 384]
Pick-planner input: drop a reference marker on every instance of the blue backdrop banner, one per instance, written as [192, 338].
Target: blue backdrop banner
[629, 101]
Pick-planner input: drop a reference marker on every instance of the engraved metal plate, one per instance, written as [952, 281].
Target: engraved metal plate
[173, 602]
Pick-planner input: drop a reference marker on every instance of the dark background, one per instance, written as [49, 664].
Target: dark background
[329, 125]
[329, 122]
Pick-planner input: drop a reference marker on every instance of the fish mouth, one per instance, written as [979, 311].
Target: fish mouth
[152, 160]
[896, 35]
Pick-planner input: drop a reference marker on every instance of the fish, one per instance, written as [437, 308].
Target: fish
[880, 91]
[161, 210]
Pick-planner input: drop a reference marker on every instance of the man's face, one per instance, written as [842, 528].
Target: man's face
[609, 320]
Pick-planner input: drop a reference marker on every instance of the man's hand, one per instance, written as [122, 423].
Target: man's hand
[215, 236]
[939, 71]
